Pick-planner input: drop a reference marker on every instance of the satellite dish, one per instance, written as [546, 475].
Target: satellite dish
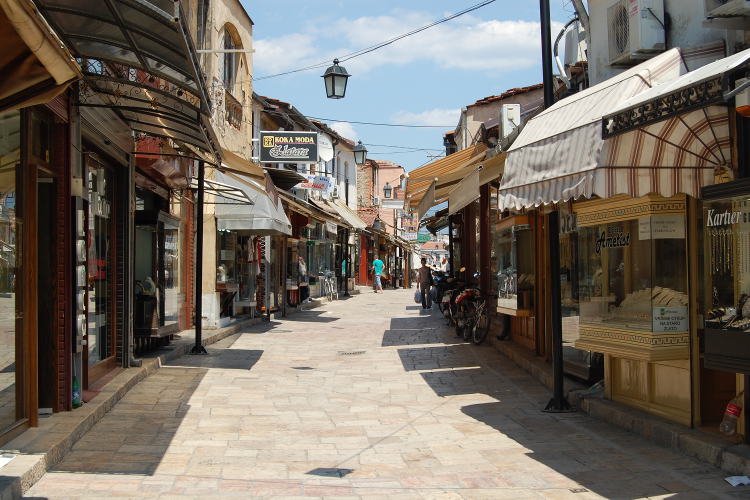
[325, 148]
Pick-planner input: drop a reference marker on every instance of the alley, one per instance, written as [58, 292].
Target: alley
[367, 398]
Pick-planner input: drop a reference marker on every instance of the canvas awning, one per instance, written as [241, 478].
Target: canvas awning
[347, 214]
[284, 178]
[34, 63]
[138, 60]
[239, 165]
[420, 178]
[679, 129]
[558, 154]
[262, 218]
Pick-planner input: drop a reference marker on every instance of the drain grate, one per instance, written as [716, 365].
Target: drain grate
[302, 368]
[330, 472]
[578, 490]
[351, 353]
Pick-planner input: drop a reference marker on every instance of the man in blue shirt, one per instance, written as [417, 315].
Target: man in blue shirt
[377, 268]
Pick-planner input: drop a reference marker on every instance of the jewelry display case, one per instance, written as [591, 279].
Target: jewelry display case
[513, 265]
[726, 270]
[633, 288]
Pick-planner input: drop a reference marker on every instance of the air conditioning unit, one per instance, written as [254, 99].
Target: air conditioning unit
[635, 30]
[727, 8]
[575, 45]
[376, 201]
[510, 119]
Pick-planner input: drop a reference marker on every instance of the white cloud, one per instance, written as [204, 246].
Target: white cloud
[467, 43]
[437, 116]
[346, 130]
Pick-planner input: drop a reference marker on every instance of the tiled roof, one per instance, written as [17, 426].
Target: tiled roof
[506, 94]
[433, 245]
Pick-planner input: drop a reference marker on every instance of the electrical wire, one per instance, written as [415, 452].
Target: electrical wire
[402, 147]
[372, 48]
[380, 124]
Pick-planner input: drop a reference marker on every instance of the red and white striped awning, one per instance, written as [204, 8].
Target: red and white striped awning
[568, 152]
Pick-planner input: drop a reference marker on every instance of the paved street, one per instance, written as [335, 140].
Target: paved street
[371, 398]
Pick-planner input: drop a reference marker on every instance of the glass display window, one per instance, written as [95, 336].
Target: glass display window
[226, 269]
[632, 274]
[513, 270]
[726, 250]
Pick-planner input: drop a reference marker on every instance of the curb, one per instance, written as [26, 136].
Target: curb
[729, 457]
[41, 448]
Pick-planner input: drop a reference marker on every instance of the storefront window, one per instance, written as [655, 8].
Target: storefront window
[513, 263]
[10, 324]
[100, 273]
[172, 286]
[226, 270]
[632, 274]
[247, 263]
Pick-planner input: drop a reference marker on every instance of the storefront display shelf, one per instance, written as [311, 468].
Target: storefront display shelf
[727, 350]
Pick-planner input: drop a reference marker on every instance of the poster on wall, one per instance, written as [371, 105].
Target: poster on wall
[661, 227]
[288, 147]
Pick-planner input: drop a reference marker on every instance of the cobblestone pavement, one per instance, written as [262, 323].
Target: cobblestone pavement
[373, 398]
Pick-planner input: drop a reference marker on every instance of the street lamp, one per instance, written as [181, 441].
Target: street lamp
[360, 154]
[387, 189]
[335, 79]
[378, 224]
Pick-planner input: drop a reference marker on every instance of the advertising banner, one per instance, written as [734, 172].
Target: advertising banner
[288, 147]
[317, 182]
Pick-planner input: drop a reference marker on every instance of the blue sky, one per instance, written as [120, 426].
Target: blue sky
[422, 80]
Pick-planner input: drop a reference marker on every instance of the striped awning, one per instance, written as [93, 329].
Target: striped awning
[420, 178]
[558, 154]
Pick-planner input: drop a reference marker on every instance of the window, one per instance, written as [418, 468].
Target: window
[230, 60]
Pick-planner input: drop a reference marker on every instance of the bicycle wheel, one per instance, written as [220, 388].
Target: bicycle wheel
[481, 326]
[329, 291]
[468, 322]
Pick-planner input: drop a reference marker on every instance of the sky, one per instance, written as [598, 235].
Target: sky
[423, 80]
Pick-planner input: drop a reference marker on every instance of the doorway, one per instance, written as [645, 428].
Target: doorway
[46, 291]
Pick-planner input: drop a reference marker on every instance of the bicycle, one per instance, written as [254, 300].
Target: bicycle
[329, 286]
[474, 320]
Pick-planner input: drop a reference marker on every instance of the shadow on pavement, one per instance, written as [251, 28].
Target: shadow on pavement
[310, 317]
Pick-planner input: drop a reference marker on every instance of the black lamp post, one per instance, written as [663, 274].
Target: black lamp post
[335, 79]
[360, 153]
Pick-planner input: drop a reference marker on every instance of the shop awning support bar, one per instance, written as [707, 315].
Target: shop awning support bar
[198, 347]
[558, 403]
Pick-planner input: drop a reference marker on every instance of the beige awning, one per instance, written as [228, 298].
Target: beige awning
[347, 214]
[236, 163]
[35, 64]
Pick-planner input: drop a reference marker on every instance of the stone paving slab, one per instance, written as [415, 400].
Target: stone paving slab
[371, 398]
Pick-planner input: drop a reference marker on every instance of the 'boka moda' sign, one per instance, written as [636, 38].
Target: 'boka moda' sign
[288, 147]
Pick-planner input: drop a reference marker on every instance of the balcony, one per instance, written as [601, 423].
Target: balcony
[232, 110]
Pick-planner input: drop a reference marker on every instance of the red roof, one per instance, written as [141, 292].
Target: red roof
[433, 245]
[507, 93]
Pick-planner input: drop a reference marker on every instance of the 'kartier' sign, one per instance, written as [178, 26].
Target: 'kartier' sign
[288, 147]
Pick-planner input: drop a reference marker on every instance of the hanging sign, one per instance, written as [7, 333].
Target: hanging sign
[331, 227]
[317, 183]
[288, 147]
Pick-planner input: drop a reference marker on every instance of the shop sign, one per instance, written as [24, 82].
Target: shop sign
[670, 319]
[288, 147]
[317, 182]
[410, 236]
[613, 239]
[661, 227]
[331, 227]
[100, 206]
[725, 218]
[568, 223]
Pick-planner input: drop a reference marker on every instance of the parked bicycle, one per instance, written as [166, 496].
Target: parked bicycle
[473, 319]
[329, 285]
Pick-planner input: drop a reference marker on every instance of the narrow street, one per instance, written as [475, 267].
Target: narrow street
[369, 397]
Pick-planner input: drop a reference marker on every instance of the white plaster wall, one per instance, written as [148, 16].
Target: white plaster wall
[687, 30]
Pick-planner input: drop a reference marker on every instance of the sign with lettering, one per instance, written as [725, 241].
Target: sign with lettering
[725, 218]
[612, 239]
[670, 319]
[288, 147]
[661, 227]
[316, 182]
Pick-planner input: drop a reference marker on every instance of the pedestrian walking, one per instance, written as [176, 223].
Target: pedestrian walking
[425, 282]
[377, 269]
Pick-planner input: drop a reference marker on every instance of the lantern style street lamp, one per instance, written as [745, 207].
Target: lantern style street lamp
[335, 79]
[360, 154]
[387, 189]
[378, 224]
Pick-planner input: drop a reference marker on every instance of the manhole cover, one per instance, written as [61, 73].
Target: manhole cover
[302, 368]
[330, 472]
[351, 353]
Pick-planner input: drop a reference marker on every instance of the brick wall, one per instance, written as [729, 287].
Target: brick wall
[364, 185]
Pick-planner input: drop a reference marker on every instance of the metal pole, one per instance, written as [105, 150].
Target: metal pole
[558, 403]
[198, 347]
